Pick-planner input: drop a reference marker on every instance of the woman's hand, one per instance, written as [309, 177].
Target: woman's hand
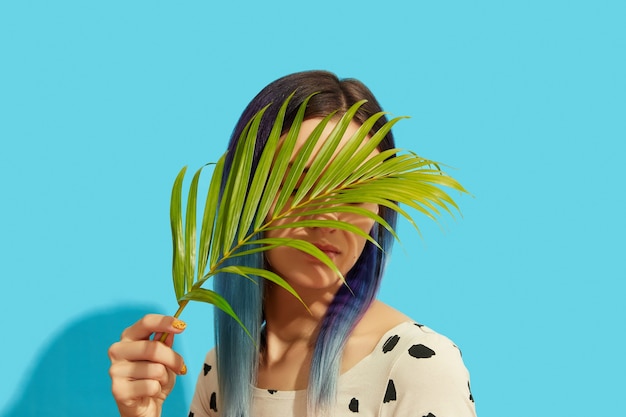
[143, 370]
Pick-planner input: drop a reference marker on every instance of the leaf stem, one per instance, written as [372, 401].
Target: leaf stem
[181, 307]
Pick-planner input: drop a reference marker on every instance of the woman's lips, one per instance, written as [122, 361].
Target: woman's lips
[330, 250]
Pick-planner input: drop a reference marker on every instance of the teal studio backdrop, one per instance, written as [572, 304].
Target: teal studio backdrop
[101, 103]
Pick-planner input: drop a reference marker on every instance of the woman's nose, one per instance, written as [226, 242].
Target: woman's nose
[322, 217]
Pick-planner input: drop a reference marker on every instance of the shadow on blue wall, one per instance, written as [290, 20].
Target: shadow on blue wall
[71, 379]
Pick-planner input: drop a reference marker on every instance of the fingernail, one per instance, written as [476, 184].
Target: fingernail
[179, 324]
[183, 370]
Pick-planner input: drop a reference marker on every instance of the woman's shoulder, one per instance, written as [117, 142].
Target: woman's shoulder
[387, 341]
[381, 320]
[428, 374]
[410, 345]
[412, 368]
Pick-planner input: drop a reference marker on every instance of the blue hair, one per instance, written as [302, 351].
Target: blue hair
[238, 354]
[344, 312]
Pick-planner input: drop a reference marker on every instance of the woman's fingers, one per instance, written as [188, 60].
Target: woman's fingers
[139, 398]
[134, 371]
[169, 340]
[147, 351]
[150, 324]
[130, 390]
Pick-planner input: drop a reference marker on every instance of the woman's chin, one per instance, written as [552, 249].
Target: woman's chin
[316, 278]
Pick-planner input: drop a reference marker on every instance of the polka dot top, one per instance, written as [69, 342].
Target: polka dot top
[412, 371]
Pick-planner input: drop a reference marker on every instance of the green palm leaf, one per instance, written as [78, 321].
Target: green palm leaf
[234, 222]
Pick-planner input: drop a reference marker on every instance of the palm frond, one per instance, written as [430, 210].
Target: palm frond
[236, 217]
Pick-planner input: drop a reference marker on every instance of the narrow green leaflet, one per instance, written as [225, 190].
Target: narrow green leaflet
[237, 185]
[261, 175]
[222, 219]
[178, 244]
[281, 164]
[298, 167]
[350, 158]
[190, 230]
[325, 154]
[211, 297]
[208, 219]
[248, 272]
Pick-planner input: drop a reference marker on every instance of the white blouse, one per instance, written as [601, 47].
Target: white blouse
[413, 371]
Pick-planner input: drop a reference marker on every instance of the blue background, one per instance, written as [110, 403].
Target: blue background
[101, 103]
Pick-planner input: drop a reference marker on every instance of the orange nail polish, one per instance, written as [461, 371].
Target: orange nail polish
[183, 370]
[179, 324]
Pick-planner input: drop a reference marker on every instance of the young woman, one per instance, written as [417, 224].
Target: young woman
[349, 354]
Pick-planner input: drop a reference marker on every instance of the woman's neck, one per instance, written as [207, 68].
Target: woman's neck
[288, 320]
[290, 333]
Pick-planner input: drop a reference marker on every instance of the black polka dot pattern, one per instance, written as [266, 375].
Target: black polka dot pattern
[421, 352]
[405, 363]
[417, 351]
[213, 402]
[354, 405]
[391, 343]
[390, 394]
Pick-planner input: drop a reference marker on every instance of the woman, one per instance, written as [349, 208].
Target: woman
[348, 354]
